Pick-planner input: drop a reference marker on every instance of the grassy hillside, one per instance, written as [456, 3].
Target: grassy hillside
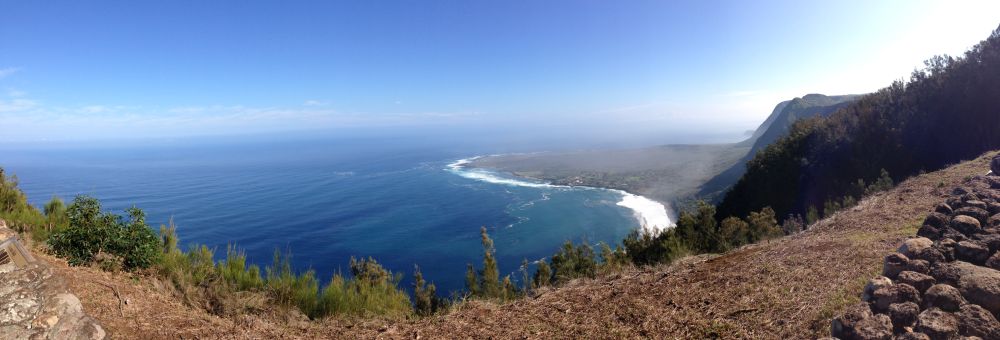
[788, 287]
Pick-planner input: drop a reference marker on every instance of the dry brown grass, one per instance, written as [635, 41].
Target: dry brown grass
[785, 288]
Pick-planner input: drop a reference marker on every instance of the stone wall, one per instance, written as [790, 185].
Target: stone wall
[35, 304]
[942, 284]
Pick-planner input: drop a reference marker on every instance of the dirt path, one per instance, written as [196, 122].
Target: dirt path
[787, 288]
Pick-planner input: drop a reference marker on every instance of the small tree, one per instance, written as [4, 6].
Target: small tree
[734, 232]
[425, 299]
[489, 280]
[763, 224]
[812, 215]
[543, 274]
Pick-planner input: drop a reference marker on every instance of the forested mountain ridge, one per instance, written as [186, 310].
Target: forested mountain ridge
[776, 125]
[945, 113]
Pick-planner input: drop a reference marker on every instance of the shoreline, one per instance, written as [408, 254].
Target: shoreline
[651, 215]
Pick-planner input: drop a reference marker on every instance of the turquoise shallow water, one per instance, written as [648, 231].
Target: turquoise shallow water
[327, 200]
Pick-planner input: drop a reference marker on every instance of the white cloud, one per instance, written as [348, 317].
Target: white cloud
[4, 72]
[313, 102]
[16, 105]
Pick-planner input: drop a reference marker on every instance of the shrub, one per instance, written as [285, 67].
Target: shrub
[92, 231]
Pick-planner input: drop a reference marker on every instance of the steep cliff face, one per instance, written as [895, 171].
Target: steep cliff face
[35, 302]
[774, 127]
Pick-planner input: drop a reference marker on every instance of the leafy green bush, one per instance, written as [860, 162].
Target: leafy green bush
[92, 231]
[15, 209]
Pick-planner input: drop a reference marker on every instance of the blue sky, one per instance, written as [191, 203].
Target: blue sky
[79, 70]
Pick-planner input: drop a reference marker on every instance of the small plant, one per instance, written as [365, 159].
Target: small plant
[92, 231]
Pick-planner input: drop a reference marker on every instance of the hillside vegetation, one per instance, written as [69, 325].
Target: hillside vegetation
[944, 113]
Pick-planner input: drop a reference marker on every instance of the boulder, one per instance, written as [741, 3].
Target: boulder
[994, 261]
[897, 293]
[903, 314]
[937, 220]
[979, 285]
[874, 284]
[912, 336]
[928, 231]
[994, 221]
[934, 254]
[944, 209]
[980, 215]
[859, 323]
[919, 281]
[995, 165]
[977, 204]
[971, 251]
[893, 264]
[966, 224]
[913, 246]
[919, 266]
[937, 324]
[943, 297]
[974, 320]
[993, 208]
[946, 273]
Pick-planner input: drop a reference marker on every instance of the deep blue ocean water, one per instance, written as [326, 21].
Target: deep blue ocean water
[327, 200]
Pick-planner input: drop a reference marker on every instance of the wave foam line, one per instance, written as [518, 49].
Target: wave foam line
[652, 215]
[458, 168]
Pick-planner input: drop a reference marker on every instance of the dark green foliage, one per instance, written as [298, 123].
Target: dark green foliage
[14, 209]
[646, 248]
[943, 114]
[543, 275]
[573, 262]
[471, 280]
[425, 299]
[735, 232]
[812, 215]
[92, 232]
[487, 283]
[763, 225]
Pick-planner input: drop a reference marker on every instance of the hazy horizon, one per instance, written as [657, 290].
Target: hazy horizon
[511, 73]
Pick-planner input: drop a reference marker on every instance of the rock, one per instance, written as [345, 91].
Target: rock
[919, 281]
[980, 215]
[952, 233]
[995, 165]
[903, 314]
[928, 231]
[872, 286]
[935, 254]
[897, 293]
[974, 320]
[944, 209]
[894, 264]
[971, 251]
[34, 303]
[976, 204]
[979, 285]
[919, 266]
[966, 224]
[994, 261]
[850, 324]
[991, 241]
[959, 191]
[943, 297]
[946, 273]
[937, 220]
[993, 208]
[913, 246]
[912, 336]
[994, 221]
[969, 197]
[937, 324]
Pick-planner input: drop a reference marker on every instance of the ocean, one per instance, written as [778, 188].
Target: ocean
[404, 202]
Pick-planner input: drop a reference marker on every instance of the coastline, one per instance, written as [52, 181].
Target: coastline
[651, 215]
